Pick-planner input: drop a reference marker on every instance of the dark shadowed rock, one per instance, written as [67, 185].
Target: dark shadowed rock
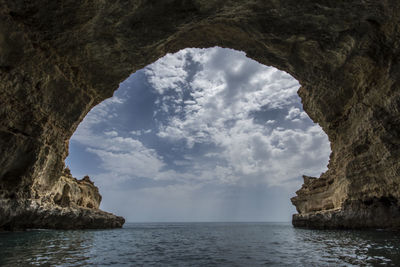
[59, 59]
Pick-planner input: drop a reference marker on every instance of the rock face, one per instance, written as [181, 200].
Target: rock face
[58, 60]
[69, 191]
[69, 204]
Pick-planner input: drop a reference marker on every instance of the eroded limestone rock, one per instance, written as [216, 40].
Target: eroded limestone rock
[58, 60]
[69, 204]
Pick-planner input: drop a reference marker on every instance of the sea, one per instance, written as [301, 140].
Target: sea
[200, 244]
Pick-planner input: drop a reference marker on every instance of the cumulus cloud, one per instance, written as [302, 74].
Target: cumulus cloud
[241, 123]
[224, 128]
[111, 133]
[216, 105]
[140, 132]
[87, 130]
[295, 114]
[120, 156]
[169, 73]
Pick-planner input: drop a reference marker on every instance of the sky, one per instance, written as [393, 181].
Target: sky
[200, 135]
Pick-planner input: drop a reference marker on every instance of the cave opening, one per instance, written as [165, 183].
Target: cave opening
[200, 135]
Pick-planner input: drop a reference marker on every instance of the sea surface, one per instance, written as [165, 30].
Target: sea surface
[200, 244]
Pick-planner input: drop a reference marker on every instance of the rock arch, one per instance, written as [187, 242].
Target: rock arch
[58, 60]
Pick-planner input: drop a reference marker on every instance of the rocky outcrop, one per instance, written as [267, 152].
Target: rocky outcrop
[68, 191]
[58, 60]
[69, 204]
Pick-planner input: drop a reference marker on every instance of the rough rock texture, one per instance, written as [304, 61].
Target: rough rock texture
[69, 204]
[70, 192]
[60, 58]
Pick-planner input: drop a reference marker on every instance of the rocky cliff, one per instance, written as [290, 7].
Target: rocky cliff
[58, 59]
[69, 204]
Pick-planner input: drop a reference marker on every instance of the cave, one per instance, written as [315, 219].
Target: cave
[57, 61]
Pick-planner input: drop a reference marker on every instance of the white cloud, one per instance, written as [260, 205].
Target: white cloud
[136, 132]
[295, 114]
[243, 129]
[106, 110]
[169, 73]
[140, 132]
[139, 162]
[111, 133]
[224, 93]
[124, 155]
[212, 95]
[120, 156]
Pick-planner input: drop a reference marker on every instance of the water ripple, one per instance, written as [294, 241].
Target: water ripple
[200, 244]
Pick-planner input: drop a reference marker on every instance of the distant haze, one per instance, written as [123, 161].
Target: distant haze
[200, 135]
